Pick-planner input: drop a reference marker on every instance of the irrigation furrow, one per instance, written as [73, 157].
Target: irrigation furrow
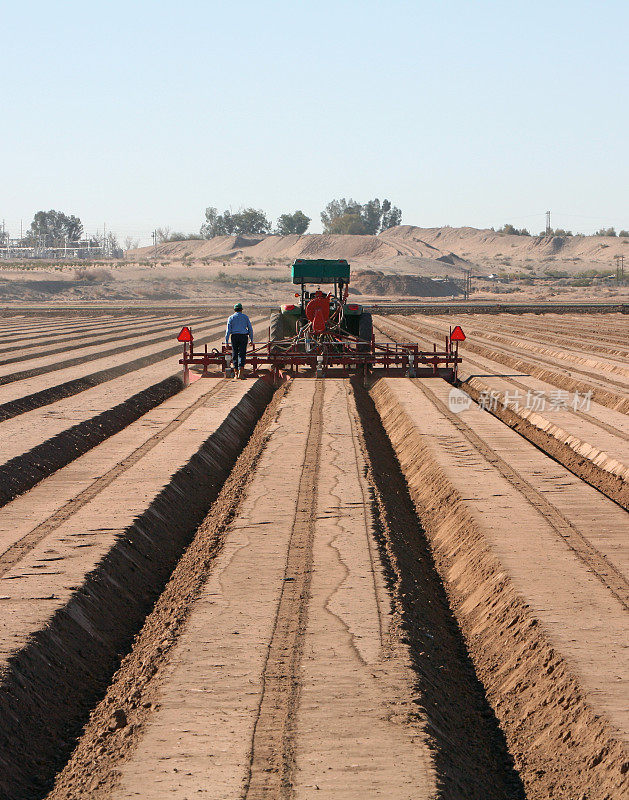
[96, 338]
[592, 445]
[28, 402]
[36, 331]
[18, 549]
[599, 386]
[100, 569]
[135, 341]
[505, 351]
[599, 563]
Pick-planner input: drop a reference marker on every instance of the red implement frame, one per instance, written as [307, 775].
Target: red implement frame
[342, 357]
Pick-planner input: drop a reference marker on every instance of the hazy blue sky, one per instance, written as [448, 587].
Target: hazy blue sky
[141, 114]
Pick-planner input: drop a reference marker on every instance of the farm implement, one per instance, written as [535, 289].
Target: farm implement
[322, 334]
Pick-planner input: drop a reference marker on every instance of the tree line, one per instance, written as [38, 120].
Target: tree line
[339, 216]
[342, 216]
[513, 231]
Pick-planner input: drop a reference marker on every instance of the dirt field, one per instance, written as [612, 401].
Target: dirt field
[318, 589]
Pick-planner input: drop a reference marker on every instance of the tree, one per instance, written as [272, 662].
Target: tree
[131, 244]
[252, 221]
[162, 235]
[292, 223]
[371, 215]
[391, 216]
[509, 229]
[347, 223]
[245, 220]
[605, 232]
[623, 233]
[348, 216]
[54, 227]
[112, 247]
[336, 209]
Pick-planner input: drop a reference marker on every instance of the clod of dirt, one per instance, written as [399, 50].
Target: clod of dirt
[119, 720]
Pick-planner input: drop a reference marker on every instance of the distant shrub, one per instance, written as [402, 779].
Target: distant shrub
[605, 232]
[593, 273]
[183, 237]
[623, 232]
[93, 275]
[556, 273]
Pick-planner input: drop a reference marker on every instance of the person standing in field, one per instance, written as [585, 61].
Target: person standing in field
[240, 329]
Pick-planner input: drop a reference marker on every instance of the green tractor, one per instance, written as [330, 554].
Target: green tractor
[320, 316]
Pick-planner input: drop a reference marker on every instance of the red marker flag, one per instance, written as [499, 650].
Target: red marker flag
[185, 334]
[457, 334]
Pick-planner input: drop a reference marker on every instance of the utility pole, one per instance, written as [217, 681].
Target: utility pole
[620, 268]
[549, 229]
[467, 284]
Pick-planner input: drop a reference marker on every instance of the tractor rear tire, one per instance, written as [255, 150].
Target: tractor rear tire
[276, 327]
[365, 332]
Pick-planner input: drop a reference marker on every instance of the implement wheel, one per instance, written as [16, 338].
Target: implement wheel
[276, 327]
[365, 332]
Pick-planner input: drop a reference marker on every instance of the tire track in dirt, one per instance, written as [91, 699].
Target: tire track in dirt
[594, 560]
[19, 549]
[271, 760]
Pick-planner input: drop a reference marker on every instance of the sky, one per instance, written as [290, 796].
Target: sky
[137, 115]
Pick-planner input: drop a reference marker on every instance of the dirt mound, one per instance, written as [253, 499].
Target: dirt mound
[378, 283]
[477, 244]
[261, 248]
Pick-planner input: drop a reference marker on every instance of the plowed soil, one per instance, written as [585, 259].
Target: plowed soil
[320, 588]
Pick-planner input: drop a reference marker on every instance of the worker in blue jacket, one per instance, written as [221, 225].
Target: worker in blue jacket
[240, 330]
